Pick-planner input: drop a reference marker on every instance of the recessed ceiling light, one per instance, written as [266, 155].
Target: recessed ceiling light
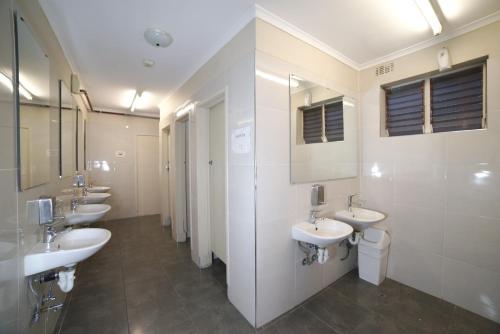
[148, 62]
[158, 38]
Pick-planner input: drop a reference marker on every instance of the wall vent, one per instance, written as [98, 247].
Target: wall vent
[384, 69]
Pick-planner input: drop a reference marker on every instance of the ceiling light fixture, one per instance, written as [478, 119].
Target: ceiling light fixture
[158, 38]
[430, 15]
[282, 81]
[135, 100]
[148, 62]
[7, 82]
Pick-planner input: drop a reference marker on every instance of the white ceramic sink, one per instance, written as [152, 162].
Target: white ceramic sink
[360, 218]
[324, 233]
[86, 213]
[67, 249]
[98, 189]
[96, 198]
[91, 198]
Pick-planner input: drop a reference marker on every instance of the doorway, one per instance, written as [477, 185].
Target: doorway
[148, 176]
[181, 228]
[217, 180]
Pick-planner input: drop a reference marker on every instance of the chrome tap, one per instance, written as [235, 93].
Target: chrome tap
[74, 204]
[313, 216]
[350, 202]
[47, 218]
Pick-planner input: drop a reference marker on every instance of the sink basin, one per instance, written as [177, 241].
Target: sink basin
[67, 249]
[98, 189]
[86, 213]
[360, 218]
[96, 198]
[326, 232]
[91, 198]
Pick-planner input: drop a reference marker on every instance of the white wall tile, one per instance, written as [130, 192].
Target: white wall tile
[416, 268]
[471, 287]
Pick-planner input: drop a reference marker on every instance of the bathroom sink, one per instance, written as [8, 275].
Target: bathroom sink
[86, 213]
[90, 198]
[360, 218]
[96, 198]
[98, 189]
[67, 249]
[324, 233]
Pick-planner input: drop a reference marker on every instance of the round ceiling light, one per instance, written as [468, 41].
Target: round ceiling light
[158, 38]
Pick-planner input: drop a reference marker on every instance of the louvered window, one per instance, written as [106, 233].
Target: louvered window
[334, 121]
[439, 101]
[457, 100]
[313, 124]
[405, 109]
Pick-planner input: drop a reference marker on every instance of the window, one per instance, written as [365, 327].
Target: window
[405, 109]
[313, 125]
[438, 102]
[323, 122]
[334, 121]
[457, 101]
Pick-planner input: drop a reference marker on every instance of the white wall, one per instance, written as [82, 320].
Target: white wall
[282, 280]
[445, 222]
[106, 135]
[230, 72]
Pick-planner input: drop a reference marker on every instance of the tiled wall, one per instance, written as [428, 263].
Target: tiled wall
[231, 72]
[15, 229]
[282, 281]
[444, 211]
[106, 135]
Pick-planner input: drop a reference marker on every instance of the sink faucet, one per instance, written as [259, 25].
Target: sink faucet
[74, 204]
[47, 218]
[313, 216]
[350, 201]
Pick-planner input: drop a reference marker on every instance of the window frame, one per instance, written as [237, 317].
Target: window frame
[426, 77]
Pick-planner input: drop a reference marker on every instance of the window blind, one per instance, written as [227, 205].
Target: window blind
[313, 124]
[457, 100]
[334, 121]
[405, 109]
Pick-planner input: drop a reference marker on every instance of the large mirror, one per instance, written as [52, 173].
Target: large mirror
[34, 110]
[67, 131]
[323, 133]
[80, 138]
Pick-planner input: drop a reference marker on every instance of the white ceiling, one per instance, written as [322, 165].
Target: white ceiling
[104, 39]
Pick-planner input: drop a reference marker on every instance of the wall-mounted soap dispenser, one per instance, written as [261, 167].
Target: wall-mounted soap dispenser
[317, 195]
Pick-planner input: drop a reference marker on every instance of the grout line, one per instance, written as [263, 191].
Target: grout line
[321, 320]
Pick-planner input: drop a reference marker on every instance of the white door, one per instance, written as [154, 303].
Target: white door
[165, 174]
[148, 176]
[217, 161]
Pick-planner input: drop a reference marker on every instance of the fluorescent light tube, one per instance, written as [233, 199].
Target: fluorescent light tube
[5, 80]
[135, 100]
[24, 92]
[430, 15]
[282, 81]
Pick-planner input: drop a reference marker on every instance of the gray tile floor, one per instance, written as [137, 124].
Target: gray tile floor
[143, 282]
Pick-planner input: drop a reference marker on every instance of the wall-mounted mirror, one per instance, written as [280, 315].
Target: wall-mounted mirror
[323, 133]
[80, 137]
[34, 110]
[67, 131]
